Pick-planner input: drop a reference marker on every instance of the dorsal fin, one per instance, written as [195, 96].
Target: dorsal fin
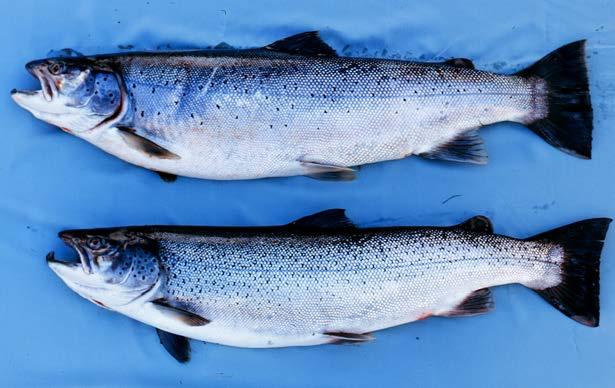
[477, 224]
[460, 62]
[306, 43]
[327, 219]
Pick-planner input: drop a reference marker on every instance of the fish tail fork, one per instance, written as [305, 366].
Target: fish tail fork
[566, 120]
[577, 294]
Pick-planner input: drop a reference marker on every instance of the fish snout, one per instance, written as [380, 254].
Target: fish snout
[33, 66]
[69, 237]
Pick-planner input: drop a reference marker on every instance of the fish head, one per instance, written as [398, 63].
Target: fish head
[77, 94]
[113, 268]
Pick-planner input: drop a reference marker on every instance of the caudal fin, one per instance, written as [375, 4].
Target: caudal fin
[577, 296]
[568, 122]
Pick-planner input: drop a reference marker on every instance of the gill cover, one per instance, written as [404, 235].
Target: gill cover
[77, 94]
[114, 267]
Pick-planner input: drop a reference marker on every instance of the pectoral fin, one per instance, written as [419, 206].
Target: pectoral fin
[327, 172]
[144, 145]
[178, 313]
[176, 345]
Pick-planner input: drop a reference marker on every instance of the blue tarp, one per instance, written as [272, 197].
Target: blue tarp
[52, 181]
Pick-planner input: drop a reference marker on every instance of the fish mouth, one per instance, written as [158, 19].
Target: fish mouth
[40, 72]
[81, 259]
[71, 272]
[74, 276]
[55, 263]
[36, 100]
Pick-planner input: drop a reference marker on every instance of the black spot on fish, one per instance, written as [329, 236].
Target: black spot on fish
[217, 106]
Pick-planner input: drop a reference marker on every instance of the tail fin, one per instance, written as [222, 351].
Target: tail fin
[577, 296]
[568, 124]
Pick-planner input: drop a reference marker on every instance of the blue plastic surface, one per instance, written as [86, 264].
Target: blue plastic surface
[51, 181]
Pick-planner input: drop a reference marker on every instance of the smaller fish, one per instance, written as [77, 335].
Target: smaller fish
[320, 279]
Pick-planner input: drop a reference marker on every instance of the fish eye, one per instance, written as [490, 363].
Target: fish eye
[95, 243]
[55, 68]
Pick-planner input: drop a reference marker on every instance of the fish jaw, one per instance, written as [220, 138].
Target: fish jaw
[74, 276]
[55, 111]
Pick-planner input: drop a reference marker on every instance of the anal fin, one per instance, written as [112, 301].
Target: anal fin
[176, 345]
[328, 172]
[468, 147]
[478, 302]
[344, 338]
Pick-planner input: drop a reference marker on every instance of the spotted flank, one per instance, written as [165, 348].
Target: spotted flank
[294, 107]
[320, 279]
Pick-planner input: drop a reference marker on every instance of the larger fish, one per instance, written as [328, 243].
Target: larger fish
[295, 108]
[320, 279]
